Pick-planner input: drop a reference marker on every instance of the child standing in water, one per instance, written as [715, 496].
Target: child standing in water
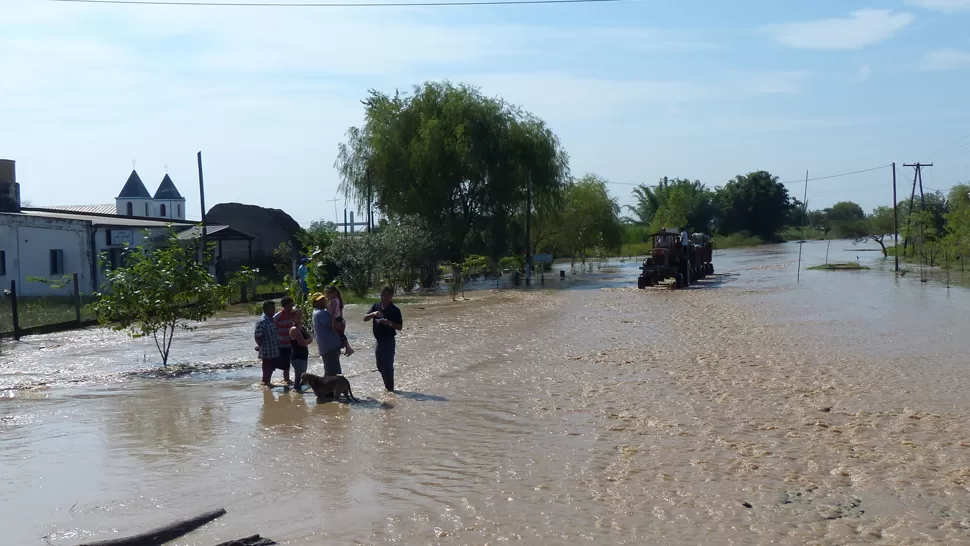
[336, 309]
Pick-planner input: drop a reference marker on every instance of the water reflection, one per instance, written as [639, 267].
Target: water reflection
[162, 421]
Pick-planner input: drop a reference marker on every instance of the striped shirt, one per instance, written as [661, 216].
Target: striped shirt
[267, 339]
[283, 325]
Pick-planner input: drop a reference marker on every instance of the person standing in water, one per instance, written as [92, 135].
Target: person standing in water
[328, 342]
[335, 306]
[268, 341]
[284, 321]
[387, 323]
[300, 353]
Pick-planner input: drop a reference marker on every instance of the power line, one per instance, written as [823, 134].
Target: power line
[338, 4]
[802, 181]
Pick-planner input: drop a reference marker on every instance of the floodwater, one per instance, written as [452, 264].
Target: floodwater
[751, 409]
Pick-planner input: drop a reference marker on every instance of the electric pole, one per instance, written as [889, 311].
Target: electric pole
[202, 201]
[336, 216]
[528, 232]
[917, 177]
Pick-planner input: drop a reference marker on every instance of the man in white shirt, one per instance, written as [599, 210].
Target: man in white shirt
[684, 239]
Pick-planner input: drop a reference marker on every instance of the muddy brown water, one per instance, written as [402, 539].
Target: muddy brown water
[749, 410]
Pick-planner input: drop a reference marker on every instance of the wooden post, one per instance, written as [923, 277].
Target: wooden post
[77, 301]
[13, 307]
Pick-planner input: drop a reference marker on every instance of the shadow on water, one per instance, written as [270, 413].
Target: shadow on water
[420, 396]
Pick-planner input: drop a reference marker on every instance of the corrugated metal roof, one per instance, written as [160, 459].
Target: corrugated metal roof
[225, 232]
[90, 209]
[104, 220]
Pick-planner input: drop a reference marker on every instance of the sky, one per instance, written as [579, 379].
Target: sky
[636, 90]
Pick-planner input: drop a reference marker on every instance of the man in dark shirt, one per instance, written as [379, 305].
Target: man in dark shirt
[387, 323]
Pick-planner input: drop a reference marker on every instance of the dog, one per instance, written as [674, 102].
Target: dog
[328, 387]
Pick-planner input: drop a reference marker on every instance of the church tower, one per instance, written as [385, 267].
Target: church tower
[169, 203]
[134, 199]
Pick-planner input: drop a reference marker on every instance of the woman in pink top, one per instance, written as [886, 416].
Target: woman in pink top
[336, 308]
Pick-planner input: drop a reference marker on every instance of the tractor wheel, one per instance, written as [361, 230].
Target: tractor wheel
[680, 281]
[648, 281]
[710, 269]
[641, 283]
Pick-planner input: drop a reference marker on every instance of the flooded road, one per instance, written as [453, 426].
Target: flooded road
[749, 410]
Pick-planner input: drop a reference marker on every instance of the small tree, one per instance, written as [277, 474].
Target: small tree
[158, 291]
[355, 255]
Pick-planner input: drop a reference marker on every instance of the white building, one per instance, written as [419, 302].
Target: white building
[56, 242]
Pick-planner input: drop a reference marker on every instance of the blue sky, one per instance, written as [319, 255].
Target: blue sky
[637, 90]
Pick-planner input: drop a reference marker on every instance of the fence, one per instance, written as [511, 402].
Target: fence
[21, 316]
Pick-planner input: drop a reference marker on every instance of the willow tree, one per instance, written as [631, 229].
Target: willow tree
[452, 157]
[592, 216]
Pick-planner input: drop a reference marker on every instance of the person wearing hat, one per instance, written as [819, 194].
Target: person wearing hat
[328, 340]
[301, 273]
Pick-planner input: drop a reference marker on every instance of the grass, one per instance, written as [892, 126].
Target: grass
[845, 266]
[41, 311]
[736, 240]
[801, 234]
[633, 249]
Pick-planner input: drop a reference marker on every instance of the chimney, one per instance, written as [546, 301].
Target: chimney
[9, 188]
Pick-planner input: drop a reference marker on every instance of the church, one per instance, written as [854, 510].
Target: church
[54, 242]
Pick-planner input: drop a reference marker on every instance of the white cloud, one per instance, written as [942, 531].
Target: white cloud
[946, 6]
[862, 75]
[860, 29]
[946, 60]
[561, 97]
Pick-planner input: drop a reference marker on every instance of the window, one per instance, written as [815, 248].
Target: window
[130, 211]
[161, 209]
[146, 210]
[57, 262]
[3, 263]
[179, 209]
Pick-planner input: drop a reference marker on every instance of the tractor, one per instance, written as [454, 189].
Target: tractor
[669, 260]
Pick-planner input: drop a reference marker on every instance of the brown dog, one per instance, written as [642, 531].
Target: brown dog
[329, 387]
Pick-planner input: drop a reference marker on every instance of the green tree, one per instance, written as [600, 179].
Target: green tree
[958, 220]
[158, 291]
[406, 252]
[675, 203]
[453, 157]
[591, 217]
[756, 203]
[874, 227]
[355, 256]
[847, 220]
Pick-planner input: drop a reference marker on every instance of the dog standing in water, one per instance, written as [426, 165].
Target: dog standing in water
[331, 386]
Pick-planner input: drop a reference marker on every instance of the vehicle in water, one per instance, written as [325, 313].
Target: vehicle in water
[670, 260]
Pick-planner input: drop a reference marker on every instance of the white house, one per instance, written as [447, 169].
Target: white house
[54, 242]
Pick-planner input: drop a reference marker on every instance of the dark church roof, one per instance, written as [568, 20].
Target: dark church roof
[134, 188]
[167, 190]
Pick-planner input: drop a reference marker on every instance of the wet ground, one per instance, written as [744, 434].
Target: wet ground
[751, 409]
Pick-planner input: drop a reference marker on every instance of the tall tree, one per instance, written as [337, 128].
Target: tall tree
[847, 219]
[675, 203]
[756, 203]
[451, 156]
[591, 217]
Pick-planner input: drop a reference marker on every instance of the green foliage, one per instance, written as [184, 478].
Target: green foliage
[757, 203]
[513, 263]
[674, 204]
[355, 256]
[590, 217]
[407, 253]
[452, 157]
[736, 240]
[158, 291]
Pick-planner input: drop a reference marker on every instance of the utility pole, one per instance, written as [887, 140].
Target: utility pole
[202, 201]
[917, 177]
[370, 224]
[895, 221]
[798, 274]
[528, 232]
[336, 217]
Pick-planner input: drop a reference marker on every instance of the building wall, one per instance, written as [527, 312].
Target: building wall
[27, 243]
[151, 208]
